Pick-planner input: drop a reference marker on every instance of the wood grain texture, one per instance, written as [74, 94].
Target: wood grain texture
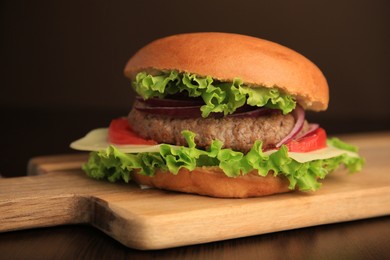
[154, 219]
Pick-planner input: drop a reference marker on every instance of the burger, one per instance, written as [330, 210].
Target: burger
[221, 115]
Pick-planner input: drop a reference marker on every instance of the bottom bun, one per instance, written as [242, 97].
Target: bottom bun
[211, 181]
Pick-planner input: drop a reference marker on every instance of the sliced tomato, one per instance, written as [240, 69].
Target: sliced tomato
[120, 132]
[314, 141]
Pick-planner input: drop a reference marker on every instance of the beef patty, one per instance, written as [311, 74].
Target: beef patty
[237, 133]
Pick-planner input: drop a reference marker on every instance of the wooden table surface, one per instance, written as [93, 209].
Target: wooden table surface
[362, 239]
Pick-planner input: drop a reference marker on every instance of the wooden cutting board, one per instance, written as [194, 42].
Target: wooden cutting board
[57, 192]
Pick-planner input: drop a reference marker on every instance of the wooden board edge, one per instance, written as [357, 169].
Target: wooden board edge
[158, 232]
[49, 163]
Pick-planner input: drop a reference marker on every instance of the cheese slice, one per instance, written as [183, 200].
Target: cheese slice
[324, 153]
[97, 140]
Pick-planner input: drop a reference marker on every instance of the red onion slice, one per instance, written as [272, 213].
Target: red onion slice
[312, 128]
[166, 102]
[250, 112]
[299, 115]
[188, 112]
[190, 108]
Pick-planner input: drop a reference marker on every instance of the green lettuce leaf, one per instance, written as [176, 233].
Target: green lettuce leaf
[114, 165]
[335, 142]
[219, 97]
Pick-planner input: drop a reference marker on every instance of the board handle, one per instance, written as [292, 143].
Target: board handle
[40, 201]
[46, 164]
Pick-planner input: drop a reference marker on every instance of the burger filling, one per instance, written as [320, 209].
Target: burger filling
[231, 112]
[229, 125]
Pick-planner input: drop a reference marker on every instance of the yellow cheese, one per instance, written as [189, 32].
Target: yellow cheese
[96, 140]
[324, 153]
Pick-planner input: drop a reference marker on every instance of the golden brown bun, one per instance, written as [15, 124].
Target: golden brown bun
[211, 181]
[225, 56]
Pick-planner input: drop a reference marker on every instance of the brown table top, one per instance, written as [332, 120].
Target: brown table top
[362, 239]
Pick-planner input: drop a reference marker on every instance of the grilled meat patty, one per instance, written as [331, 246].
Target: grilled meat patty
[237, 133]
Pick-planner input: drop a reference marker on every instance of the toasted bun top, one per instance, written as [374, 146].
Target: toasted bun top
[225, 56]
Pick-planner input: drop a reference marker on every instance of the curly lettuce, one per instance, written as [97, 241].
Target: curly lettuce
[114, 165]
[219, 97]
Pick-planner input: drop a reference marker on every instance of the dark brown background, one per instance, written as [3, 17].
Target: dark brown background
[62, 61]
